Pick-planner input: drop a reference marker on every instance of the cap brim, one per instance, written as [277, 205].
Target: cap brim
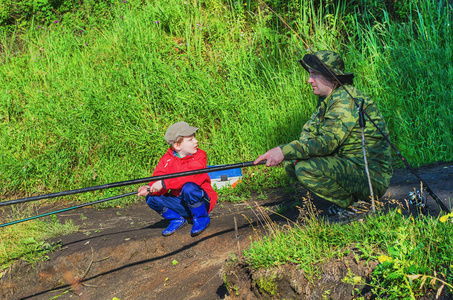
[188, 131]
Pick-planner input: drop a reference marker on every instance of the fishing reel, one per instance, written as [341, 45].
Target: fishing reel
[418, 200]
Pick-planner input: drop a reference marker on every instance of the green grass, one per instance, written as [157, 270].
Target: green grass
[406, 68]
[87, 106]
[404, 246]
[28, 241]
[82, 108]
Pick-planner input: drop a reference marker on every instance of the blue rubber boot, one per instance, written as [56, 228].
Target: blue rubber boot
[176, 222]
[201, 219]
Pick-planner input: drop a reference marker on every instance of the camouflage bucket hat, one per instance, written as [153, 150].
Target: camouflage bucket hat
[326, 58]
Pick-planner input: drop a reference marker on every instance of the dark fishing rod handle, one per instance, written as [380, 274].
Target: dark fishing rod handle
[361, 114]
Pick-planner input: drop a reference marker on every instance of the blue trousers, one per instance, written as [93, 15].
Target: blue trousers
[192, 195]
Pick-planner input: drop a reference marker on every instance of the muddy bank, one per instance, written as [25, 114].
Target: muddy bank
[121, 252]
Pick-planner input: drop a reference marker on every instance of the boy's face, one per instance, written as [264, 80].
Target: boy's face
[189, 145]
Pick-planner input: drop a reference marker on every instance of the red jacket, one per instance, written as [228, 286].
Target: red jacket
[169, 164]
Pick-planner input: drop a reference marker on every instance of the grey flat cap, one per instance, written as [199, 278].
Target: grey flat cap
[179, 129]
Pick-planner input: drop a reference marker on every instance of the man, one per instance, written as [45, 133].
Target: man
[327, 159]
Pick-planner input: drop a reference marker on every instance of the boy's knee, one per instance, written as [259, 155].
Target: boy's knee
[149, 199]
[189, 188]
[192, 193]
[155, 203]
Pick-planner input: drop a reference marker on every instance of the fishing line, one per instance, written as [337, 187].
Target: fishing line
[69, 208]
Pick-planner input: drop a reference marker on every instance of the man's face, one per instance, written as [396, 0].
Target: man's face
[321, 86]
[189, 145]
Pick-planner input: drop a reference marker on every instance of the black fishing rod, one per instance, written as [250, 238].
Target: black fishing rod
[117, 184]
[131, 182]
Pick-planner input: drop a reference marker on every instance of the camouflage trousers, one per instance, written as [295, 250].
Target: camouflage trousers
[335, 179]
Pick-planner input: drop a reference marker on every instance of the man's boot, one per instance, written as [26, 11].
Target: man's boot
[201, 219]
[176, 222]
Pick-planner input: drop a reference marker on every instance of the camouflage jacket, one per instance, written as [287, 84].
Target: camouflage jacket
[334, 130]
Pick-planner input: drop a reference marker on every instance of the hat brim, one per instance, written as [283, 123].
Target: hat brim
[311, 61]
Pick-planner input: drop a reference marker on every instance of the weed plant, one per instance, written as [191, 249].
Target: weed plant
[413, 254]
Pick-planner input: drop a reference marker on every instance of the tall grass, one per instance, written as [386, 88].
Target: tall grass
[86, 106]
[407, 69]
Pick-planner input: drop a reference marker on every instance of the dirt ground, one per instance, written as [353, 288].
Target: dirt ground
[121, 252]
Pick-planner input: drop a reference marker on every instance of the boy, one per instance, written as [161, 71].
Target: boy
[191, 196]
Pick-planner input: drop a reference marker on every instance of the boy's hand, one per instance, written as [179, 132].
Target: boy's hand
[144, 190]
[157, 186]
[273, 157]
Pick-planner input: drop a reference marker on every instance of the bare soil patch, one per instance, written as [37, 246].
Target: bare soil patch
[121, 252]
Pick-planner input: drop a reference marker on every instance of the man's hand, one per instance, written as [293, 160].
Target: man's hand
[273, 157]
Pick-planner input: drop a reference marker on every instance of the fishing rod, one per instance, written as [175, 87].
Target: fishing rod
[69, 208]
[131, 182]
[117, 184]
[406, 163]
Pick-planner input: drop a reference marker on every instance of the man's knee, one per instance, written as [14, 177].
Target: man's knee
[306, 171]
[289, 166]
